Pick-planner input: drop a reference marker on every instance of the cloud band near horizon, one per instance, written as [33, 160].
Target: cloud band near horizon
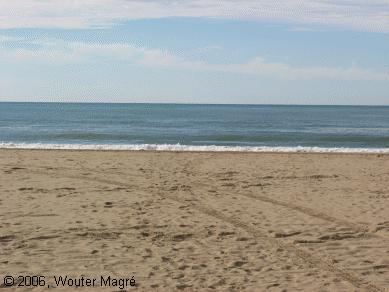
[59, 52]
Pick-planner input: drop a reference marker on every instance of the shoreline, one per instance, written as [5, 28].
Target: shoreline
[377, 154]
[177, 148]
[199, 152]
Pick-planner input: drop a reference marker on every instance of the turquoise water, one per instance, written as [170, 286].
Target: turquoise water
[194, 125]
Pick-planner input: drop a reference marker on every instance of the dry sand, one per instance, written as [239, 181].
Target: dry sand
[197, 221]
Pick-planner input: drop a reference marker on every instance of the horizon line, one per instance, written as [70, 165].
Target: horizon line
[193, 103]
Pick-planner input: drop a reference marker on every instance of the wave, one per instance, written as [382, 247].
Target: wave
[190, 148]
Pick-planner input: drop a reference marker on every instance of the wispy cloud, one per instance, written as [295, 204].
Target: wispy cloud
[57, 52]
[372, 15]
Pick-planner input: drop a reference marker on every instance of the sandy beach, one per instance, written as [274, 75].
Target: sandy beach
[196, 221]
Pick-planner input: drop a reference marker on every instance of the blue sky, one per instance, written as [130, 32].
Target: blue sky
[278, 52]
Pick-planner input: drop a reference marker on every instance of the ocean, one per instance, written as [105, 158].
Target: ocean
[281, 128]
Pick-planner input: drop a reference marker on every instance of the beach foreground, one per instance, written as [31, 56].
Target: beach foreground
[196, 221]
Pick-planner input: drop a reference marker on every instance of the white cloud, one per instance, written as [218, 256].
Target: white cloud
[372, 15]
[58, 52]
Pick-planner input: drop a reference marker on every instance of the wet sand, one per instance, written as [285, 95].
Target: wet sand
[197, 221]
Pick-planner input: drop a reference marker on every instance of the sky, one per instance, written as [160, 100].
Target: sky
[205, 51]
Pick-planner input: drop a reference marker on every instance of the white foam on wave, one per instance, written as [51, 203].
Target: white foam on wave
[193, 148]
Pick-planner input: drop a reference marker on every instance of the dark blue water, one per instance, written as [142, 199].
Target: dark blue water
[231, 125]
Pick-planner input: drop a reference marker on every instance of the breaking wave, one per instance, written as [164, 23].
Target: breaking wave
[190, 148]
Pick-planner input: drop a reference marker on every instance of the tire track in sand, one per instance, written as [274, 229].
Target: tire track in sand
[357, 227]
[324, 264]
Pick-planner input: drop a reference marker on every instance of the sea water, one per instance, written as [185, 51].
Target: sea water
[194, 127]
